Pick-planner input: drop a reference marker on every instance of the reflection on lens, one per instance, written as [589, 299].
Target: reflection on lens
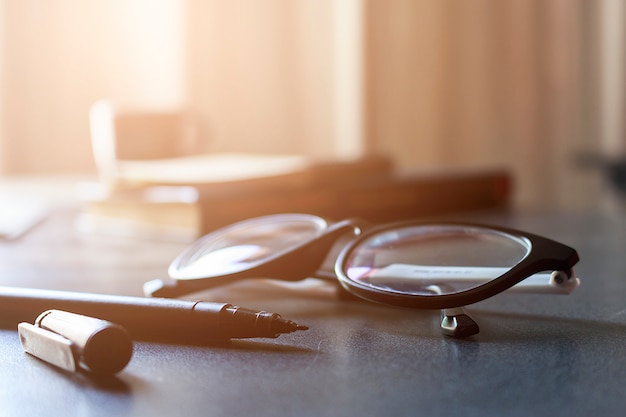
[429, 260]
[228, 259]
[244, 245]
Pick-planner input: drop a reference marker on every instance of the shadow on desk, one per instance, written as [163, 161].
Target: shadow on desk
[85, 379]
[513, 327]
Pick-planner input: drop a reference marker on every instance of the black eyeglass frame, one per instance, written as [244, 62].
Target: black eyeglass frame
[544, 255]
[305, 260]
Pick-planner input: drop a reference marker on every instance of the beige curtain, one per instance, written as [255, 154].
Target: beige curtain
[509, 83]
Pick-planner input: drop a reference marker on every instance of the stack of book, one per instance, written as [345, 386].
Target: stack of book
[184, 205]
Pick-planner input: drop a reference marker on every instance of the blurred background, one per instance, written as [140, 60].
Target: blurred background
[529, 85]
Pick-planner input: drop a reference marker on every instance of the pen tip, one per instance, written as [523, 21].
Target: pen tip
[288, 326]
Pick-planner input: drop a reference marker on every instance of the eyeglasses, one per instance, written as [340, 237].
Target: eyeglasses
[410, 264]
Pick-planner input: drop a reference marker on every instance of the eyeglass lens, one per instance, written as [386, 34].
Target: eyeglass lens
[432, 260]
[246, 244]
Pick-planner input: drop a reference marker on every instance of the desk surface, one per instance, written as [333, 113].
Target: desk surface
[536, 355]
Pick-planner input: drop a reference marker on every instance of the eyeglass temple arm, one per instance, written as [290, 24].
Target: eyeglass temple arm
[556, 282]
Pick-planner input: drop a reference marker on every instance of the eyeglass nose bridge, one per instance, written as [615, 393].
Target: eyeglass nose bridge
[307, 259]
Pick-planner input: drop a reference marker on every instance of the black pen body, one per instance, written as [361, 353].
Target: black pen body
[145, 318]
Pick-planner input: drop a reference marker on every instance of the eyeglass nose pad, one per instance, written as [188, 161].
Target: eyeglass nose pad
[176, 288]
[159, 288]
[456, 323]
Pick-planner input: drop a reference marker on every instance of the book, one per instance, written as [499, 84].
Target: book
[385, 197]
[155, 212]
[237, 169]
[18, 214]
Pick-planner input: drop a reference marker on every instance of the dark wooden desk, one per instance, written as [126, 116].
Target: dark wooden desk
[536, 355]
